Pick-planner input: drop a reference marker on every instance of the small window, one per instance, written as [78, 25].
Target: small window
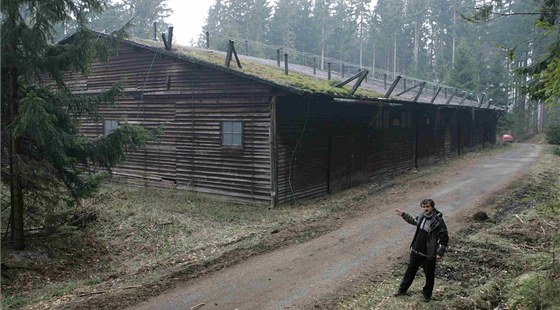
[110, 125]
[232, 134]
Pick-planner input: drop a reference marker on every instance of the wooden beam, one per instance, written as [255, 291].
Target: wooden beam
[164, 37]
[464, 98]
[419, 91]
[231, 51]
[481, 100]
[409, 89]
[435, 95]
[451, 97]
[360, 76]
[395, 82]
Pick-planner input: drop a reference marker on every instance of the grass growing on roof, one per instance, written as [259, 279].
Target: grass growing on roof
[269, 73]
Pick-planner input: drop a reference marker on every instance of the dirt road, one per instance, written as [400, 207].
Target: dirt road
[317, 272]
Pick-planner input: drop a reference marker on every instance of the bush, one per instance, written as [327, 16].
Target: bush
[556, 150]
[553, 134]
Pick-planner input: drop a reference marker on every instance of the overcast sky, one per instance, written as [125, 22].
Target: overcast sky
[188, 18]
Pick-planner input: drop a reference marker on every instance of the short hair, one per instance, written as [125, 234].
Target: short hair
[429, 202]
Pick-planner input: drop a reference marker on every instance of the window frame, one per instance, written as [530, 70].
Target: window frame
[232, 134]
[109, 125]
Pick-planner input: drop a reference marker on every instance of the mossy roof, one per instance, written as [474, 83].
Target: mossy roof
[293, 81]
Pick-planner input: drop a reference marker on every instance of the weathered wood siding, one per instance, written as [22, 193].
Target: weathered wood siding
[327, 147]
[191, 101]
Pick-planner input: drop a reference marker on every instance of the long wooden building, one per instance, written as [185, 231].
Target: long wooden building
[256, 134]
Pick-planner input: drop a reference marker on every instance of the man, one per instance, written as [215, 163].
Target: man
[428, 245]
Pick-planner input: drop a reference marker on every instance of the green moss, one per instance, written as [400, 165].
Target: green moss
[268, 73]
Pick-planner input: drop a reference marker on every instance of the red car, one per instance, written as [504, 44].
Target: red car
[506, 138]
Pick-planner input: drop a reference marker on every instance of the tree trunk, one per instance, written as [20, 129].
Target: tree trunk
[16, 191]
[323, 47]
[395, 57]
[373, 61]
[416, 43]
[454, 35]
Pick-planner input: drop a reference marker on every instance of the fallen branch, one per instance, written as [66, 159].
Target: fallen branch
[517, 216]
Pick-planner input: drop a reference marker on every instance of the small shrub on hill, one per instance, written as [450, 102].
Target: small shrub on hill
[553, 134]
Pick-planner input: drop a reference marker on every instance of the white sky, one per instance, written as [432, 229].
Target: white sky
[187, 19]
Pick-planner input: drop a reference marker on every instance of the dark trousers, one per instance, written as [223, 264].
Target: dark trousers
[429, 266]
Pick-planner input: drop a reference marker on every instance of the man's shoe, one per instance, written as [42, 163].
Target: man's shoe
[426, 299]
[399, 293]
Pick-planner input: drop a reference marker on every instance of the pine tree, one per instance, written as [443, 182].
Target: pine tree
[283, 24]
[47, 155]
[464, 74]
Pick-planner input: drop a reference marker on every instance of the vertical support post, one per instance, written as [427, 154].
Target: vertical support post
[384, 80]
[273, 155]
[286, 63]
[314, 65]
[207, 40]
[329, 70]
[170, 36]
[155, 30]
[395, 82]
[404, 83]
[247, 47]
[278, 57]
[342, 69]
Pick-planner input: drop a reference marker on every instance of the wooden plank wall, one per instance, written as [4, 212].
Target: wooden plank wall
[318, 139]
[191, 101]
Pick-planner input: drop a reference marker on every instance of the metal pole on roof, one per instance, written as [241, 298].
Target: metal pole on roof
[278, 57]
[155, 30]
[207, 40]
[329, 70]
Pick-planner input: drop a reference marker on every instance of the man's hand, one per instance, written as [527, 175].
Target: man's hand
[439, 257]
[399, 212]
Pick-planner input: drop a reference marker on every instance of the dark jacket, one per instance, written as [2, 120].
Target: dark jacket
[436, 239]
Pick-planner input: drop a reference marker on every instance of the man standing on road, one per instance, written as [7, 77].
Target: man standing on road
[428, 246]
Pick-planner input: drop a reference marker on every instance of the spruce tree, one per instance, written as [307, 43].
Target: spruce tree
[46, 154]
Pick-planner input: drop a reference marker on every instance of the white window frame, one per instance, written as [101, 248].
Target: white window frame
[109, 125]
[232, 134]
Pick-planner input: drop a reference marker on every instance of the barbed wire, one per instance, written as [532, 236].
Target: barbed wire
[378, 76]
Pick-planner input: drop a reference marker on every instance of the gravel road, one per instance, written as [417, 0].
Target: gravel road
[314, 273]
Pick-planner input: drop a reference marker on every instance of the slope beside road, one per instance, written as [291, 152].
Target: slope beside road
[316, 272]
